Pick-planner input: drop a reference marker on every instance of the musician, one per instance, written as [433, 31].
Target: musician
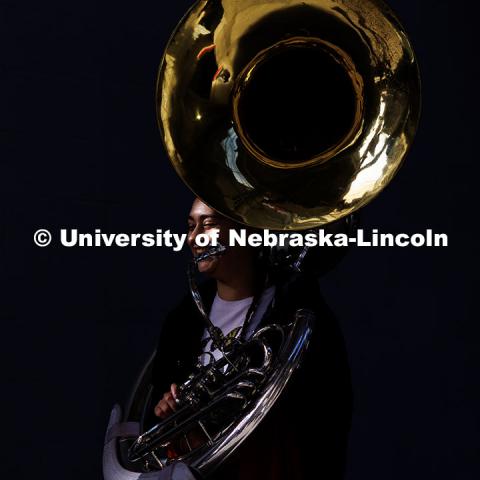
[305, 434]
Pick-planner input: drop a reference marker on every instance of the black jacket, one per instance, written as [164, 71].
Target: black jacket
[304, 436]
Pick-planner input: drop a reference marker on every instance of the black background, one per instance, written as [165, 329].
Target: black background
[80, 149]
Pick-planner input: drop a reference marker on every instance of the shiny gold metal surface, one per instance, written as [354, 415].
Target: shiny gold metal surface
[288, 114]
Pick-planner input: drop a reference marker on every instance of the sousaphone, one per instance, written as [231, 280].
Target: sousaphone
[286, 115]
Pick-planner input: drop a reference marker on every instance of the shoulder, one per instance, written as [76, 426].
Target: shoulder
[180, 339]
[185, 314]
[300, 291]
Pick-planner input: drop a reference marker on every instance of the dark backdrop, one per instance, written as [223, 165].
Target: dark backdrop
[80, 149]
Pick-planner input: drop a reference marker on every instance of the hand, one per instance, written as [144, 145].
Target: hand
[167, 405]
[194, 438]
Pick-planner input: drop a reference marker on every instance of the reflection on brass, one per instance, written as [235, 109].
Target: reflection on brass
[288, 115]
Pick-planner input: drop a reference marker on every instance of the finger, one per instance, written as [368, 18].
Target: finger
[159, 411]
[170, 401]
[173, 390]
[162, 409]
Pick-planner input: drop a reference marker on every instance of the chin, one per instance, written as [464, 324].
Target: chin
[207, 267]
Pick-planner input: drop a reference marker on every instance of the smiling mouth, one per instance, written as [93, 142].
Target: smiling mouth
[204, 254]
[204, 260]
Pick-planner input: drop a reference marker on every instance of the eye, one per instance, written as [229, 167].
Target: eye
[190, 227]
[210, 224]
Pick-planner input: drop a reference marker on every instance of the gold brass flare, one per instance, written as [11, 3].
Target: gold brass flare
[288, 115]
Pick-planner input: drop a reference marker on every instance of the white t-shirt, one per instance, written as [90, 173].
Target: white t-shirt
[230, 315]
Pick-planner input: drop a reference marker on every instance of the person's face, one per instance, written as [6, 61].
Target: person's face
[203, 219]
